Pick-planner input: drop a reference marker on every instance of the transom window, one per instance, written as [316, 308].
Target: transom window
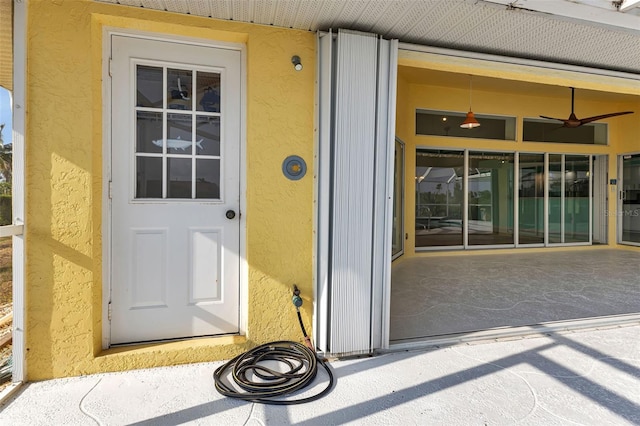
[177, 142]
[447, 123]
[539, 130]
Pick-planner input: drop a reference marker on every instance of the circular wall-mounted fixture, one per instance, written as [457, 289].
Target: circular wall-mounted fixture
[297, 65]
[294, 167]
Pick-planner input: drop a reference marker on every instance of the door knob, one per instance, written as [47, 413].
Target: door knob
[230, 214]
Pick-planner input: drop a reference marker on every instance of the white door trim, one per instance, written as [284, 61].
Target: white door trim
[601, 197]
[107, 34]
[620, 200]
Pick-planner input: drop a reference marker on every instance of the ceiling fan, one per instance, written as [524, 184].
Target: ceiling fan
[573, 121]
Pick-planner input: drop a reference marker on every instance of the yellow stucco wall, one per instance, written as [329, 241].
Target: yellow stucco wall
[64, 186]
[624, 132]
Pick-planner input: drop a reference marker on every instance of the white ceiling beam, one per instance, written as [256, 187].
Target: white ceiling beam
[574, 11]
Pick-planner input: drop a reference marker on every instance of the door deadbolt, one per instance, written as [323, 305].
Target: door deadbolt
[230, 214]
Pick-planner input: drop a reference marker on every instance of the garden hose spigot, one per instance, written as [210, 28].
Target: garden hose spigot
[246, 377]
[296, 299]
[297, 302]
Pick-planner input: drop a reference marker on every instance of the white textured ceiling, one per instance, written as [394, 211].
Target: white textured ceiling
[592, 33]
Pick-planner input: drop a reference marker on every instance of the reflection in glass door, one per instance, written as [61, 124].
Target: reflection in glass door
[556, 194]
[178, 145]
[569, 199]
[531, 199]
[629, 216]
[439, 198]
[474, 206]
[490, 194]
[576, 198]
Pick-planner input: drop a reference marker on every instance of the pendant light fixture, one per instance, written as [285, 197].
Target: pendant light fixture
[470, 122]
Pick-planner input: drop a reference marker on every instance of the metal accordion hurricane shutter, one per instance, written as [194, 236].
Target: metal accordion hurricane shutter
[356, 122]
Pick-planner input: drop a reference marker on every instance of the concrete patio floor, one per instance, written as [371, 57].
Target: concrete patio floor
[587, 377]
[448, 294]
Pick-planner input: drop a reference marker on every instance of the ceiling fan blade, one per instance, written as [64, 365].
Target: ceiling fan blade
[573, 121]
[552, 118]
[600, 117]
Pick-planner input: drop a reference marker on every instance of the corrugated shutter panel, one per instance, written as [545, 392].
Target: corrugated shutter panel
[353, 186]
[356, 135]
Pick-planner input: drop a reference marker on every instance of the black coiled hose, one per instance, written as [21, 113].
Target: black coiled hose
[302, 365]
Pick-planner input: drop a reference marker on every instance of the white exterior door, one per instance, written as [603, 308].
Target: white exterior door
[175, 191]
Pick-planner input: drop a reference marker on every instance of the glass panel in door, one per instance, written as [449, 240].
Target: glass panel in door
[439, 198]
[556, 192]
[531, 199]
[490, 198]
[577, 178]
[178, 143]
[630, 211]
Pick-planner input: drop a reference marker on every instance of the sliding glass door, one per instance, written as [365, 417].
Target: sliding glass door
[629, 200]
[531, 199]
[569, 199]
[577, 198]
[490, 195]
[555, 198]
[439, 198]
[468, 199]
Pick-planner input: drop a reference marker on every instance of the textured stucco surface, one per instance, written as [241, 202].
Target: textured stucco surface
[64, 186]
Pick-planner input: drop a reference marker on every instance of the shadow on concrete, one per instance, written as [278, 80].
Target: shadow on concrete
[599, 393]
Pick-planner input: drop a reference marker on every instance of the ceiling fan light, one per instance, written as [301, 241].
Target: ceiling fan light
[470, 122]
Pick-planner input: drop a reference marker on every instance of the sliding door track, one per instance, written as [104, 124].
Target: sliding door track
[510, 333]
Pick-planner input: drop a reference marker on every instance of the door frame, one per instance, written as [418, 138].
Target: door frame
[600, 185]
[107, 226]
[620, 200]
[402, 200]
